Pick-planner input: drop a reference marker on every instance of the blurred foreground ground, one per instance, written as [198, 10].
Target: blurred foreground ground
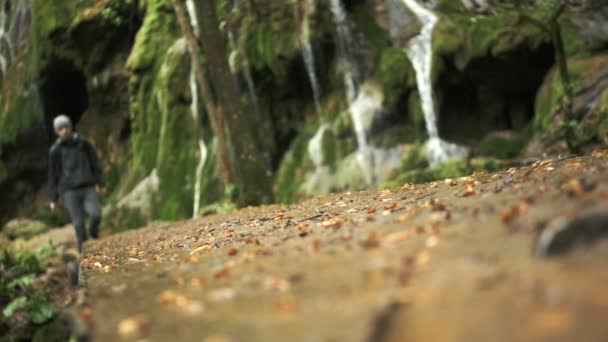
[453, 260]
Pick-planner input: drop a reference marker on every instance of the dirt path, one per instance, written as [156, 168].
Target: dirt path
[446, 261]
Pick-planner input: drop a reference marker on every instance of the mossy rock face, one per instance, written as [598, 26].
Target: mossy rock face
[117, 219]
[23, 229]
[589, 105]
[294, 166]
[502, 146]
[452, 169]
[56, 331]
[266, 43]
[157, 34]
[395, 75]
[466, 37]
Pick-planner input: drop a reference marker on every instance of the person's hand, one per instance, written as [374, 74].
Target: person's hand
[53, 207]
[103, 190]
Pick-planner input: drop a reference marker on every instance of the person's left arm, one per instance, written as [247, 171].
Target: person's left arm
[96, 166]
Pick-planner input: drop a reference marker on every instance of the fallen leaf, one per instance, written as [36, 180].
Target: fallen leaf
[408, 186]
[133, 327]
[575, 188]
[509, 215]
[198, 283]
[398, 237]
[202, 249]
[470, 191]
[316, 245]
[285, 305]
[372, 241]
[332, 223]
[86, 316]
[432, 241]
[221, 273]
[599, 153]
[405, 217]
[276, 283]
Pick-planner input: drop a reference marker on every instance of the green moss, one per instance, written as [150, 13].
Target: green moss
[395, 74]
[122, 219]
[3, 172]
[56, 331]
[177, 143]
[329, 146]
[466, 37]
[548, 108]
[375, 35]
[414, 160]
[291, 172]
[501, 148]
[452, 169]
[54, 15]
[158, 32]
[21, 112]
[23, 229]
[268, 44]
[416, 114]
[449, 6]
[212, 189]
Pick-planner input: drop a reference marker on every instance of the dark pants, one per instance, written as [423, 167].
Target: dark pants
[81, 202]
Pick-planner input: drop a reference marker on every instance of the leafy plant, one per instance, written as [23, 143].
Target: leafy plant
[113, 13]
[18, 270]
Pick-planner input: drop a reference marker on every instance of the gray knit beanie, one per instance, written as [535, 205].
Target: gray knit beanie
[62, 121]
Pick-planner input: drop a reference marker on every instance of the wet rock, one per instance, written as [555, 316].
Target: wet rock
[563, 235]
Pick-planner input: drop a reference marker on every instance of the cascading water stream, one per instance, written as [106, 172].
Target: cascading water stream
[419, 50]
[345, 41]
[308, 54]
[363, 104]
[233, 60]
[195, 115]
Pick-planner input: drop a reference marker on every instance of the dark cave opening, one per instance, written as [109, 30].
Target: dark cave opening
[63, 90]
[491, 94]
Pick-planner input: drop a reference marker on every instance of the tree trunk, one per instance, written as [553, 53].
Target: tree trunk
[215, 115]
[562, 65]
[254, 181]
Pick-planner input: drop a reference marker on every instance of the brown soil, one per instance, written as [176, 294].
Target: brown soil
[446, 261]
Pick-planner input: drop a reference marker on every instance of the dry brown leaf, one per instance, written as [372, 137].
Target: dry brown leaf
[136, 326]
[221, 273]
[332, 223]
[509, 215]
[202, 249]
[405, 217]
[398, 237]
[372, 241]
[277, 283]
[470, 191]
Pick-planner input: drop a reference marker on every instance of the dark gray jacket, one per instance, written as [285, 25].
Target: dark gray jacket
[73, 164]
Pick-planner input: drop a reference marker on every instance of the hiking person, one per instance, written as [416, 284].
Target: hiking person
[74, 174]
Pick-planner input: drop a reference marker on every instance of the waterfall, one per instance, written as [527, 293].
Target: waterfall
[308, 54]
[365, 102]
[236, 60]
[195, 116]
[419, 50]
[315, 146]
[6, 48]
[363, 111]
[349, 67]
[192, 15]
